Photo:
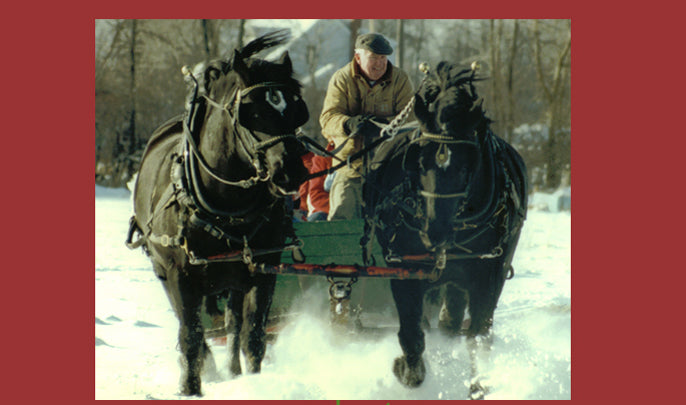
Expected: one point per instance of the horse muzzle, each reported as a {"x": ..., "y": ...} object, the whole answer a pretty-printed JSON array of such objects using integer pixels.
[{"x": 287, "y": 178}]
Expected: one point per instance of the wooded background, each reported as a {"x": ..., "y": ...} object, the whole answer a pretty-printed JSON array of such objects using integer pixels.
[{"x": 138, "y": 81}]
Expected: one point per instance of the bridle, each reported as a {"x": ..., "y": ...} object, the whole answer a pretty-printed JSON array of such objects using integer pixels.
[
  {"x": 404, "y": 206},
  {"x": 441, "y": 157},
  {"x": 254, "y": 149}
]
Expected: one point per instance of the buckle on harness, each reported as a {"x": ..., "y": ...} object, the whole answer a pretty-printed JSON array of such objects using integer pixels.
[
  {"x": 134, "y": 228},
  {"x": 248, "y": 255}
]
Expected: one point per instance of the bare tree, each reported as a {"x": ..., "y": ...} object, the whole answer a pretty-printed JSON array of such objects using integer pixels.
[
  {"x": 241, "y": 33},
  {"x": 132, "y": 89},
  {"x": 509, "y": 83},
  {"x": 495, "y": 40},
  {"x": 553, "y": 78},
  {"x": 138, "y": 84},
  {"x": 355, "y": 26},
  {"x": 210, "y": 38},
  {"x": 400, "y": 38},
  {"x": 372, "y": 25},
  {"x": 502, "y": 75}
]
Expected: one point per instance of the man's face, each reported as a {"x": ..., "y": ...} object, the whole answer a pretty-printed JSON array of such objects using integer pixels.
[{"x": 372, "y": 65}]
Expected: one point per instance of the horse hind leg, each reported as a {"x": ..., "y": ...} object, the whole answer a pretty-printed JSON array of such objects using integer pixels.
[
  {"x": 432, "y": 301},
  {"x": 408, "y": 296},
  {"x": 209, "y": 370},
  {"x": 451, "y": 315}
]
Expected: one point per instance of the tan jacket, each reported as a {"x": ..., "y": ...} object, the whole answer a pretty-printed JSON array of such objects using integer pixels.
[{"x": 349, "y": 94}]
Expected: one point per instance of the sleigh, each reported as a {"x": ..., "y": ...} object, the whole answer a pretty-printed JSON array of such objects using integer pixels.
[{"x": 329, "y": 256}]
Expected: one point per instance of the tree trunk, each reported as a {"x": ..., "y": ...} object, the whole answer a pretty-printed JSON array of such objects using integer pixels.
[
  {"x": 554, "y": 96},
  {"x": 211, "y": 39},
  {"x": 400, "y": 38},
  {"x": 241, "y": 34},
  {"x": 510, "y": 115},
  {"x": 354, "y": 29},
  {"x": 495, "y": 39},
  {"x": 132, "y": 90}
]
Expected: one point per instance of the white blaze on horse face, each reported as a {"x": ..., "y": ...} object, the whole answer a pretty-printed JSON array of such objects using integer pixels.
[
  {"x": 443, "y": 158},
  {"x": 276, "y": 100}
]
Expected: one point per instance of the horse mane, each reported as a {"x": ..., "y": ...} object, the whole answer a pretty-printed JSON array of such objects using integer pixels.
[
  {"x": 202, "y": 71},
  {"x": 460, "y": 98},
  {"x": 266, "y": 41},
  {"x": 262, "y": 68}
]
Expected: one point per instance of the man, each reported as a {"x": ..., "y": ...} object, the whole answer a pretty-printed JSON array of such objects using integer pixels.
[{"x": 369, "y": 87}]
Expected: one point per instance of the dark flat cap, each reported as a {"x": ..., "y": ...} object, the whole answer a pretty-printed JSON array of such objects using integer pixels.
[{"x": 375, "y": 43}]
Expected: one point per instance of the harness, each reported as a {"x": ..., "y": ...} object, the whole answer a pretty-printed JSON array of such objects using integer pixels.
[
  {"x": 407, "y": 201},
  {"x": 194, "y": 209}
]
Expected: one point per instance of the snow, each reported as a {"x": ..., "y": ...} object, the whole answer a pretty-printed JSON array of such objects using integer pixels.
[
  {"x": 557, "y": 201},
  {"x": 136, "y": 331}
]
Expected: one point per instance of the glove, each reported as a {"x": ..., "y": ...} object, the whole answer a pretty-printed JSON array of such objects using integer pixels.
[{"x": 357, "y": 124}]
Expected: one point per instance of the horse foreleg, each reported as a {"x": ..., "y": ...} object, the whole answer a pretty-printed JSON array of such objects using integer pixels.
[
  {"x": 479, "y": 347},
  {"x": 409, "y": 296},
  {"x": 234, "y": 321},
  {"x": 256, "y": 307},
  {"x": 482, "y": 304},
  {"x": 191, "y": 342}
]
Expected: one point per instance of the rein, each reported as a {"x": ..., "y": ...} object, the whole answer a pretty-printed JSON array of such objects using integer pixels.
[{"x": 388, "y": 132}]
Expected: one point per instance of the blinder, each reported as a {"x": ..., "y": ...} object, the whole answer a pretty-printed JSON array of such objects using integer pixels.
[{"x": 269, "y": 108}]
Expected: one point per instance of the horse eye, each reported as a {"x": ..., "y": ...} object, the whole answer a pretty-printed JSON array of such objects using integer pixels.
[
  {"x": 275, "y": 97},
  {"x": 276, "y": 100}
]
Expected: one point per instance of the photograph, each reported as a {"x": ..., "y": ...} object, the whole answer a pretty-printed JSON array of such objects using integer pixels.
[{"x": 333, "y": 209}]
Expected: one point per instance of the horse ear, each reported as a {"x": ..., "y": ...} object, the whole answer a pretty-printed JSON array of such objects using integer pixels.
[
  {"x": 420, "y": 109},
  {"x": 443, "y": 70},
  {"x": 285, "y": 60},
  {"x": 212, "y": 73},
  {"x": 238, "y": 65}
]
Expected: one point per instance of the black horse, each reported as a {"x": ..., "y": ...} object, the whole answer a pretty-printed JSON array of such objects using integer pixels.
[
  {"x": 449, "y": 198},
  {"x": 214, "y": 182}
]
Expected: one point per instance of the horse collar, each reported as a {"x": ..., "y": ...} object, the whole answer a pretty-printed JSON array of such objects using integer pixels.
[{"x": 446, "y": 139}]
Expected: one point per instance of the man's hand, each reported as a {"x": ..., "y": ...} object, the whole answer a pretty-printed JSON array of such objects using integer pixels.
[{"x": 358, "y": 124}]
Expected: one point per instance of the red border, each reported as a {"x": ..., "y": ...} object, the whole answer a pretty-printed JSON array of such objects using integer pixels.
[{"x": 50, "y": 74}]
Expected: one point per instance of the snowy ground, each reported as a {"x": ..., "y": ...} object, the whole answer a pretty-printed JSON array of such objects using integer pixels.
[{"x": 135, "y": 329}]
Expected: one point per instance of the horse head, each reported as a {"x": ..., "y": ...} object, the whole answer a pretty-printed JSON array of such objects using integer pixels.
[
  {"x": 453, "y": 126},
  {"x": 257, "y": 106}
]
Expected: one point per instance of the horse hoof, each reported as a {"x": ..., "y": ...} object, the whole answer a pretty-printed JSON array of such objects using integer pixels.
[
  {"x": 191, "y": 385},
  {"x": 411, "y": 376},
  {"x": 477, "y": 391},
  {"x": 190, "y": 391},
  {"x": 235, "y": 370}
]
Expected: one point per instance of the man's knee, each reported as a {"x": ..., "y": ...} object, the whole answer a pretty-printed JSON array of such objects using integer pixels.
[{"x": 345, "y": 198}]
